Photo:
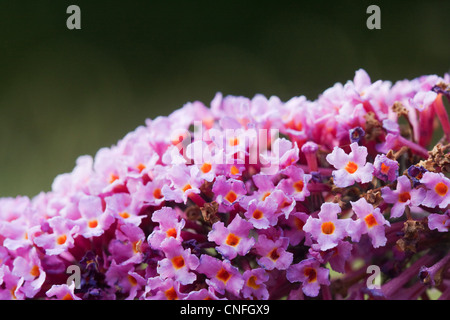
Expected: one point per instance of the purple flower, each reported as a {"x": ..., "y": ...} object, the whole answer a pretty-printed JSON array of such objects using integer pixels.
[
  {"x": 169, "y": 226},
  {"x": 402, "y": 196},
  {"x": 126, "y": 279},
  {"x": 62, "y": 292},
  {"x": 310, "y": 274},
  {"x": 254, "y": 287},
  {"x": 350, "y": 167},
  {"x": 228, "y": 191},
  {"x": 178, "y": 263},
  {"x": 222, "y": 276},
  {"x": 296, "y": 185},
  {"x": 437, "y": 190},
  {"x": 233, "y": 239},
  {"x": 262, "y": 214},
  {"x": 163, "y": 289},
  {"x": 273, "y": 254},
  {"x": 94, "y": 221},
  {"x": 370, "y": 221},
  {"x": 439, "y": 222},
  {"x": 122, "y": 207},
  {"x": 328, "y": 229},
  {"x": 385, "y": 169},
  {"x": 60, "y": 239}
]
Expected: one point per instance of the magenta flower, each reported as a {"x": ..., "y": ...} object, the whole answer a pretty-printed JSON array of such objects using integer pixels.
[
  {"x": 439, "y": 222},
  {"x": 385, "y": 169},
  {"x": 296, "y": 185},
  {"x": 438, "y": 187},
  {"x": 328, "y": 229},
  {"x": 222, "y": 276},
  {"x": 370, "y": 221},
  {"x": 60, "y": 239},
  {"x": 169, "y": 226},
  {"x": 163, "y": 289},
  {"x": 262, "y": 214},
  {"x": 310, "y": 274},
  {"x": 94, "y": 221},
  {"x": 350, "y": 167},
  {"x": 403, "y": 196},
  {"x": 273, "y": 254},
  {"x": 178, "y": 262},
  {"x": 228, "y": 192},
  {"x": 63, "y": 292},
  {"x": 233, "y": 239},
  {"x": 254, "y": 284}
]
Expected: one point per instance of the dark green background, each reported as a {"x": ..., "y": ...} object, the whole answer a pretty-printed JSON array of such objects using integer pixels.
[{"x": 66, "y": 93}]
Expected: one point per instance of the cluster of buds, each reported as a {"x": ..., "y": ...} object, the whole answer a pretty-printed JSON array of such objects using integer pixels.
[{"x": 250, "y": 199}]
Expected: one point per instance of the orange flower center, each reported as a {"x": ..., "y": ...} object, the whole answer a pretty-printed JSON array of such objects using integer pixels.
[
  {"x": 171, "y": 233},
  {"x": 157, "y": 193},
  {"x": 140, "y": 167},
  {"x": 403, "y": 197},
  {"x": 113, "y": 177},
  {"x": 92, "y": 224},
  {"x": 233, "y": 141},
  {"x": 232, "y": 240},
  {"x": 61, "y": 239},
  {"x": 265, "y": 196},
  {"x": 231, "y": 196},
  {"x": 257, "y": 214},
  {"x": 186, "y": 187},
  {"x": 311, "y": 274},
  {"x": 351, "y": 167},
  {"x": 206, "y": 167},
  {"x": 234, "y": 170},
  {"x": 251, "y": 282},
  {"x": 223, "y": 275},
  {"x": 384, "y": 168},
  {"x": 68, "y": 296},
  {"x": 328, "y": 227},
  {"x": 171, "y": 294},
  {"x": 370, "y": 220},
  {"x": 299, "y": 186},
  {"x": 441, "y": 189},
  {"x": 124, "y": 215},
  {"x": 274, "y": 254},
  {"x": 178, "y": 262},
  {"x": 35, "y": 271},
  {"x": 132, "y": 280},
  {"x": 298, "y": 223}
]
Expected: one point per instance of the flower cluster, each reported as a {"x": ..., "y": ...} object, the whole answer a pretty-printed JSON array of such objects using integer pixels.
[{"x": 250, "y": 199}]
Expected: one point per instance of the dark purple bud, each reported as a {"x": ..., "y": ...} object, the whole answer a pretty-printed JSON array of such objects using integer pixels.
[{"x": 356, "y": 134}]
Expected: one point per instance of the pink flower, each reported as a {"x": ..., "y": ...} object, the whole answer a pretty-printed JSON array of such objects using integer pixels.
[
  {"x": 228, "y": 191},
  {"x": 222, "y": 276},
  {"x": 262, "y": 214},
  {"x": 296, "y": 185},
  {"x": 169, "y": 226},
  {"x": 63, "y": 292},
  {"x": 385, "y": 169},
  {"x": 233, "y": 239},
  {"x": 438, "y": 193},
  {"x": 370, "y": 221},
  {"x": 273, "y": 254},
  {"x": 403, "y": 196},
  {"x": 310, "y": 274},
  {"x": 254, "y": 284},
  {"x": 178, "y": 263},
  {"x": 328, "y": 229},
  {"x": 439, "y": 222},
  {"x": 350, "y": 167},
  {"x": 94, "y": 221}
]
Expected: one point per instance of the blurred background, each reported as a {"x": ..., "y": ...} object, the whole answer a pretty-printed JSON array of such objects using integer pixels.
[{"x": 65, "y": 93}]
